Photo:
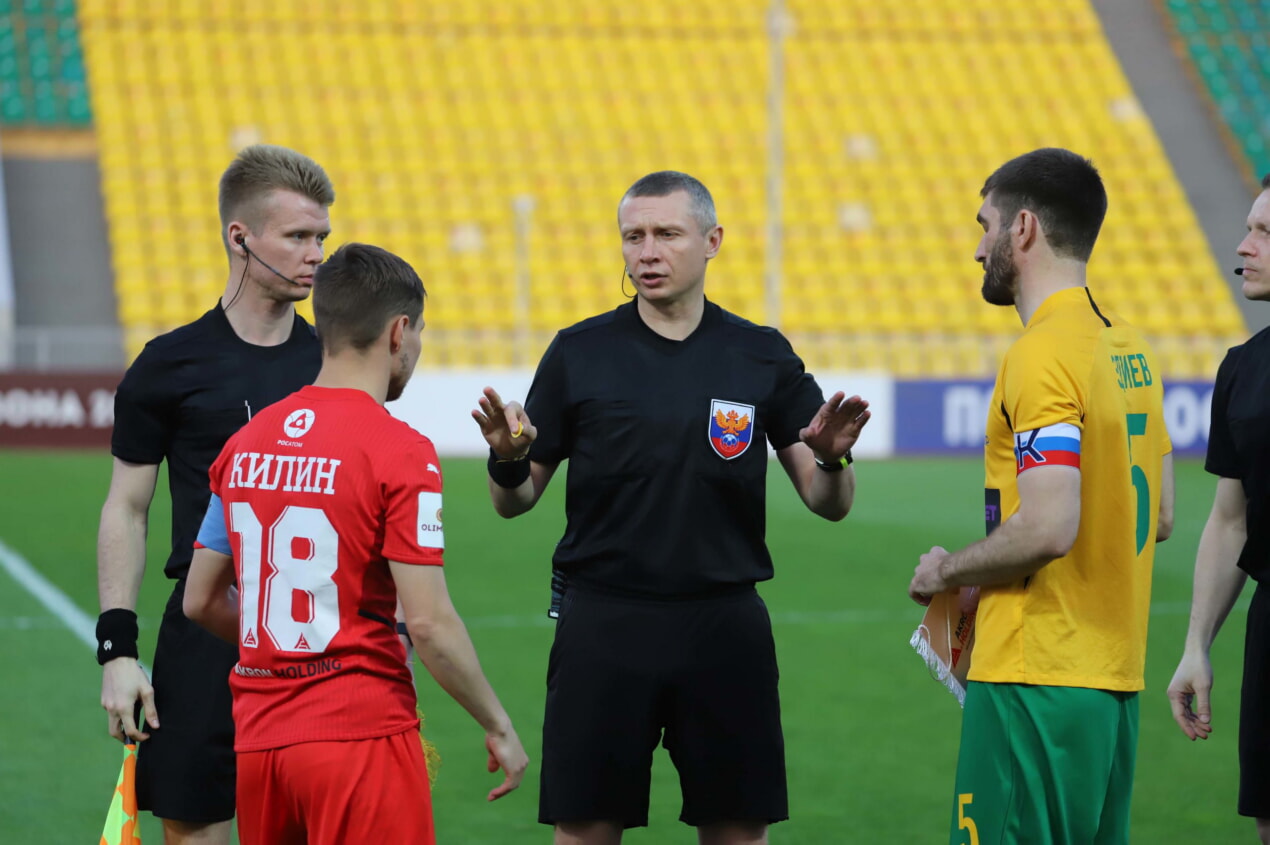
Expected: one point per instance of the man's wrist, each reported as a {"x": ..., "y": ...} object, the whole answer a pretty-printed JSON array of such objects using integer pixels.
[
  {"x": 1199, "y": 643},
  {"x": 509, "y": 473},
  {"x": 836, "y": 464},
  {"x": 500, "y": 727},
  {"x": 116, "y": 635}
]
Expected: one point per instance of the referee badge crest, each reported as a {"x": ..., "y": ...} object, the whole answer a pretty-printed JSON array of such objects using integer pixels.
[{"x": 731, "y": 428}]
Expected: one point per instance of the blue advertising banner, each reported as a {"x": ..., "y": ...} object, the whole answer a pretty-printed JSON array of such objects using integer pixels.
[{"x": 948, "y": 416}]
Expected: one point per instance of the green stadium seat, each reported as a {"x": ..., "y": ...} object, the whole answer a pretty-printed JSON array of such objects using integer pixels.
[
  {"x": 1237, "y": 72},
  {"x": 77, "y": 111},
  {"x": 46, "y": 102},
  {"x": 40, "y": 52},
  {"x": 13, "y": 107}
]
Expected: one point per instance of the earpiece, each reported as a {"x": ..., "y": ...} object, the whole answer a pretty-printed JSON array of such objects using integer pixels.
[{"x": 241, "y": 240}]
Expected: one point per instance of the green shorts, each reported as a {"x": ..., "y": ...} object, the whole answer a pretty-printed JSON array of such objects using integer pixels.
[{"x": 1045, "y": 766}]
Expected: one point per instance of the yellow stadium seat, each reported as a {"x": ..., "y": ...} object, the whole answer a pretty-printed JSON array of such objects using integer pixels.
[{"x": 432, "y": 117}]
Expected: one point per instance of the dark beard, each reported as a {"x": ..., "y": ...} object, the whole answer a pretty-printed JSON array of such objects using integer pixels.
[
  {"x": 397, "y": 381},
  {"x": 1000, "y": 275}
]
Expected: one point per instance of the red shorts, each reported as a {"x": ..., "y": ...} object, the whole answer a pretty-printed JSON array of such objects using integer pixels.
[{"x": 327, "y": 793}]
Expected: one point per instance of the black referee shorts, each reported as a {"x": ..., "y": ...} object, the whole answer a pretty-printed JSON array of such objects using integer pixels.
[
  {"x": 186, "y": 769},
  {"x": 1254, "y": 711},
  {"x": 700, "y": 676}
]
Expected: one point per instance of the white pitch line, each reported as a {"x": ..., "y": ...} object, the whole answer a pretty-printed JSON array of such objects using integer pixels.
[{"x": 57, "y": 602}]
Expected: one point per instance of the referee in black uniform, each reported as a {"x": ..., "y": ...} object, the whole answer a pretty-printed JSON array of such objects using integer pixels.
[
  {"x": 182, "y": 398},
  {"x": 1236, "y": 539},
  {"x": 664, "y": 409}
]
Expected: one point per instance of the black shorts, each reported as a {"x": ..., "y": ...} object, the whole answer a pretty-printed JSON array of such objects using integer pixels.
[
  {"x": 1254, "y": 705},
  {"x": 186, "y": 769},
  {"x": 699, "y": 675}
]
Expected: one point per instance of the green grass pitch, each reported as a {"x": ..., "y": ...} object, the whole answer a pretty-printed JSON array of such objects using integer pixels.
[{"x": 872, "y": 740}]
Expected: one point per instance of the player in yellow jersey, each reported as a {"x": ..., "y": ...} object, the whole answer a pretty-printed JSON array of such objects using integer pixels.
[{"x": 1079, "y": 490}]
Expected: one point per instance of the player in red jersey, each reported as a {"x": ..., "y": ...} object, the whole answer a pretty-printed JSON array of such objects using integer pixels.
[{"x": 331, "y": 509}]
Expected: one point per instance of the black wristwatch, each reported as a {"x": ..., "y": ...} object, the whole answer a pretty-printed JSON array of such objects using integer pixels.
[{"x": 836, "y": 466}]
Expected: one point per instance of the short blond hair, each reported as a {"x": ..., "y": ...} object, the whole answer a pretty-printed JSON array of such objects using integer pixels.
[{"x": 261, "y": 169}]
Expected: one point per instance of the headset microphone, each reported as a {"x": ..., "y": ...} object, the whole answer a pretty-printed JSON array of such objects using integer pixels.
[
  {"x": 1239, "y": 271},
  {"x": 242, "y": 242}
]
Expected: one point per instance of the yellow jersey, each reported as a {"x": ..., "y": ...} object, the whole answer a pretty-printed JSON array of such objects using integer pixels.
[{"x": 1079, "y": 388}]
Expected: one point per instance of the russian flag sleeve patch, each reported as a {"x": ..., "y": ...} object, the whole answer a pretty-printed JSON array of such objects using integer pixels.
[{"x": 1052, "y": 445}]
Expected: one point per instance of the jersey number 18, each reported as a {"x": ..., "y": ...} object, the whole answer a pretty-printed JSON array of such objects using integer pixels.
[{"x": 295, "y": 565}]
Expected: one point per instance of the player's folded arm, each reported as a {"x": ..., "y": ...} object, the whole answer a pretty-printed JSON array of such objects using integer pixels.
[
  {"x": 207, "y": 598},
  {"x": 1043, "y": 529},
  {"x": 1049, "y": 510}
]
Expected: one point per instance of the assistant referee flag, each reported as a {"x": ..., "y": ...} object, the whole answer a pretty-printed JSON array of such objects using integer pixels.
[{"x": 121, "y": 822}]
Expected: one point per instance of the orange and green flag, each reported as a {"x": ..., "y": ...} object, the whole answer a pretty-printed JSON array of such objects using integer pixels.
[{"x": 121, "y": 822}]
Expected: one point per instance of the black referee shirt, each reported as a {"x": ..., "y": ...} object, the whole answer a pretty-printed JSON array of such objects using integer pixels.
[
  {"x": 667, "y": 448},
  {"x": 187, "y": 392},
  {"x": 1239, "y": 441}
]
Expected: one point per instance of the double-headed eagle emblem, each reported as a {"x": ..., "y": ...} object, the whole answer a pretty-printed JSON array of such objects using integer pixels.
[{"x": 731, "y": 422}]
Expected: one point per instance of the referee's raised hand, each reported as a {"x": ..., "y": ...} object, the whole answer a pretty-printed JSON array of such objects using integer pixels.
[
  {"x": 506, "y": 426},
  {"x": 836, "y": 426}
]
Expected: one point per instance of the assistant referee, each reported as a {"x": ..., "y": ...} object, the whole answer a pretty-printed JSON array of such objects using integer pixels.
[
  {"x": 1236, "y": 539},
  {"x": 183, "y": 397}
]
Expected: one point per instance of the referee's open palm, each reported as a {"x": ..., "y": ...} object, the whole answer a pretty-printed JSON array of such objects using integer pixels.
[
  {"x": 836, "y": 426},
  {"x": 506, "y": 427}
]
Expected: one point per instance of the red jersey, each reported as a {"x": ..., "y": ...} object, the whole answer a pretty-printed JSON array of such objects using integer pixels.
[{"x": 320, "y": 491}]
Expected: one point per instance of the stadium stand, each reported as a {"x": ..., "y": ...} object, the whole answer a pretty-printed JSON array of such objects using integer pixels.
[
  {"x": 434, "y": 118},
  {"x": 42, "y": 80},
  {"x": 1228, "y": 42}
]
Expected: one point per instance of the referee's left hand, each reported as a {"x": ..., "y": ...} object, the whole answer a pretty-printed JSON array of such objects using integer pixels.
[
  {"x": 506, "y": 426},
  {"x": 836, "y": 426}
]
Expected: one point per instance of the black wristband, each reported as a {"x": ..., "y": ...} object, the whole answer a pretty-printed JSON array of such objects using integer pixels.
[
  {"x": 509, "y": 473},
  {"x": 116, "y": 635}
]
